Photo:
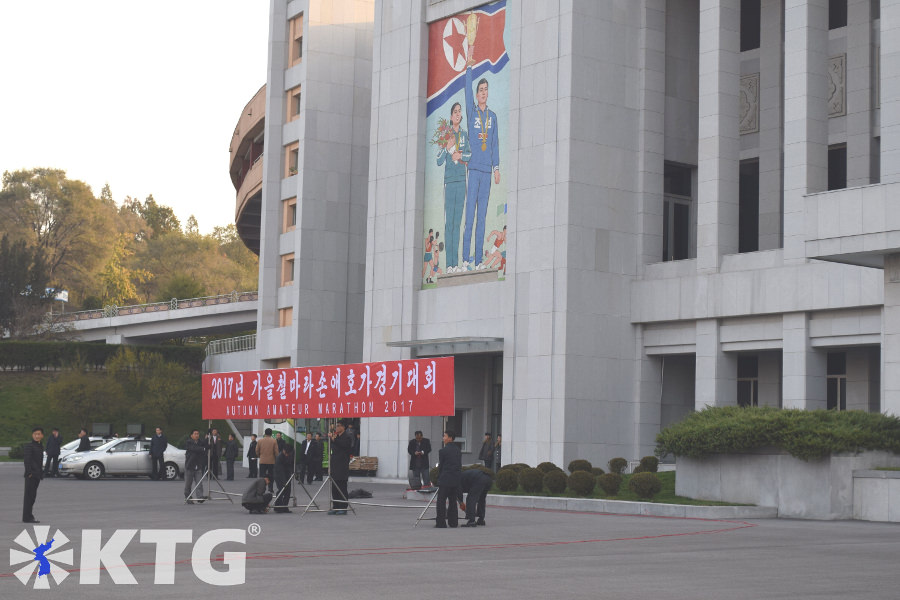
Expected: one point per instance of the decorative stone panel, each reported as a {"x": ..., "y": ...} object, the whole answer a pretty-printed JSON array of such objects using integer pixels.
[{"x": 749, "y": 98}]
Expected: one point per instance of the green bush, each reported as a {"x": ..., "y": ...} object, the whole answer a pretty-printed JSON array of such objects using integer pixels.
[
  {"x": 30, "y": 356},
  {"x": 805, "y": 434},
  {"x": 555, "y": 481},
  {"x": 610, "y": 483},
  {"x": 507, "y": 480},
  {"x": 531, "y": 480},
  {"x": 579, "y": 464},
  {"x": 645, "y": 485},
  {"x": 17, "y": 451},
  {"x": 433, "y": 475},
  {"x": 597, "y": 471},
  {"x": 582, "y": 483},
  {"x": 517, "y": 466},
  {"x": 617, "y": 465},
  {"x": 546, "y": 467},
  {"x": 650, "y": 464},
  {"x": 640, "y": 469}
]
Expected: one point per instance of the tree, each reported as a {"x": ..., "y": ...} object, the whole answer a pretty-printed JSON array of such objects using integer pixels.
[
  {"x": 23, "y": 281},
  {"x": 157, "y": 389},
  {"x": 118, "y": 280},
  {"x": 181, "y": 286},
  {"x": 159, "y": 218},
  {"x": 85, "y": 397}
]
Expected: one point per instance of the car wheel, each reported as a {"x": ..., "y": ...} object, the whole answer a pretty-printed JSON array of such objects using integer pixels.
[
  {"x": 171, "y": 471},
  {"x": 94, "y": 470}
]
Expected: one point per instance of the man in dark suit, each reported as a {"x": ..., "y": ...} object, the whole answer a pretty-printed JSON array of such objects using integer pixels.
[
  {"x": 305, "y": 458},
  {"x": 84, "y": 443},
  {"x": 476, "y": 484},
  {"x": 284, "y": 468},
  {"x": 231, "y": 453},
  {"x": 34, "y": 455},
  {"x": 158, "y": 445},
  {"x": 251, "y": 456},
  {"x": 449, "y": 479},
  {"x": 279, "y": 439},
  {"x": 341, "y": 444},
  {"x": 418, "y": 449},
  {"x": 51, "y": 469}
]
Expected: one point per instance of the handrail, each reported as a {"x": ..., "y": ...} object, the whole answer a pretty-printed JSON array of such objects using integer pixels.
[
  {"x": 173, "y": 304},
  {"x": 240, "y": 343}
]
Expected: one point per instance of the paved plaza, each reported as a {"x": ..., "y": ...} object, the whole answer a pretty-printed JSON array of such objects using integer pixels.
[{"x": 519, "y": 554}]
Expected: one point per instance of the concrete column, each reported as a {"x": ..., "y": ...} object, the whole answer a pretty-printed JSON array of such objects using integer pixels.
[
  {"x": 890, "y": 91},
  {"x": 859, "y": 92},
  {"x": 803, "y": 367},
  {"x": 716, "y": 377},
  {"x": 805, "y": 115},
  {"x": 771, "y": 80},
  {"x": 648, "y": 408},
  {"x": 890, "y": 336},
  {"x": 651, "y": 135},
  {"x": 718, "y": 148}
]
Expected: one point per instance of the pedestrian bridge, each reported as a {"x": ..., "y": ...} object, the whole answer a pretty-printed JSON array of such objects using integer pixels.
[{"x": 154, "y": 322}]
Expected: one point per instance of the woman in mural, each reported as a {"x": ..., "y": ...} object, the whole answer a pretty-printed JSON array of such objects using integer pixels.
[{"x": 454, "y": 155}]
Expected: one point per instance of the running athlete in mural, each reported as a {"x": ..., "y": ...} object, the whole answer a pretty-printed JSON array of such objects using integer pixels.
[
  {"x": 483, "y": 165},
  {"x": 454, "y": 155},
  {"x": 496, "y": 257}
]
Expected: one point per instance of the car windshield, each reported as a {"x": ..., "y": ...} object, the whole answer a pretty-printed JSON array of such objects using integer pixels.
[
  {"x": 107, "y": 445},
  {"x": 71, "y": 445}
]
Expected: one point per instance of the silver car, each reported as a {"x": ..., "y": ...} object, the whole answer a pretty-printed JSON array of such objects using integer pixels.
[
  {"x": 70, "y": 447},
  {"x": 121, "y": 457}
]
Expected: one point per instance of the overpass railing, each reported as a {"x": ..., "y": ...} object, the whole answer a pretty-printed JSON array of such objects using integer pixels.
[
  {"x": 235, "y": 344},
  {"x": 173, "y": 304}
]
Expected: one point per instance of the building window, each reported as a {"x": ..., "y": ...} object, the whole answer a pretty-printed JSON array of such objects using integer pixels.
[
  {"x": 291, "y": 159},
  {"x": 748, "y": 206},
  {"x": 287, "y": 269},
  {"x": 283, "y": 363},
  {"x": 285, "y": 318},
  {"x": 295, "y": 43},
  {"x": 289, "y": 215},
  {"x": 678, "y": 212},
  {"x": 876, "y": 9},
  {"x": 836, "y": 396},
  {"x": 293, "y": 103},
  {"x": 750, "y": 22},
  {"x": 837, "y": 167},
  {"x": 460, "y": 423},
  {"x": 837, "y": 14},
  {"x": 748, "y": 381}
]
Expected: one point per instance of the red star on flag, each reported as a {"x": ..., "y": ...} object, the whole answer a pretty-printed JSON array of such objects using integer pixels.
[{"x": 455, "y": 40}]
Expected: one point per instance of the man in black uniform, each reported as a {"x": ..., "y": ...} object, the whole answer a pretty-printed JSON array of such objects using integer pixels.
[
  {"x": 304, "y": 459},
  {"x": 214, "y": 440},
  {"x": 341, "y": 443},
  {"x": 51, "y": 469},
  {"x": 158, "y": 445},
  {"x": 84, "y": 444},
  {"x": 231, "y": 454},
  {"x": 195, "y": 457},
  {"x": 284, "y": 468},
  {"x": 318, "y": 452},
  {"x": 476, "y": 484},
  {"x": 449, "y": 473},
  {"x": 251, "y": 457},
  {"x": 34, "y": 455}
]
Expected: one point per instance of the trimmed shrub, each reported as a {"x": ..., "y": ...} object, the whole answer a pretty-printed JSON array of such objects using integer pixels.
[
  {"x": 804, "y": 434},
  {"x": 433, "y": 475},
  {"x": 580, "y": 464},
  {"x": 517, "y": 466},
  {"x": 610, "y": 483},
  {"x": 531, "y": 480},
  {"x": 17, "y": 451},
  {"x": 640, "y": 469},
  {"x": 650, "y": 464},
  {"x": 555, "y": 481},
  {"x": 507, "y": 480},
  {"x": 597, "y": 471},
  {"x": 645, "y": 485},
  {"x": 618, "y": 465},
  {"x": 582, "y": 483},
  {"x": 546, "y": 467}
]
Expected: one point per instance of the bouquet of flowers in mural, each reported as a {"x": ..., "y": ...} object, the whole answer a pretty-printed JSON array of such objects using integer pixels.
[{"x": 443, "y": 134}]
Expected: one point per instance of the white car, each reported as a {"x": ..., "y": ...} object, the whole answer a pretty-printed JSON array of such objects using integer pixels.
[
  {"x": 124, "y": 456},
  {"x": 69, "y": 448}
]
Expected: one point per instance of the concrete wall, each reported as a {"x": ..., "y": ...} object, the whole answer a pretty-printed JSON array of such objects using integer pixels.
[
  {"x": 819, "y": 489},
  {"x": 876, "y": 495}
]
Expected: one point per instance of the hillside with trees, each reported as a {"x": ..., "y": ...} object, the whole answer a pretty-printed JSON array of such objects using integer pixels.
[{"x": 57, "y": 235}]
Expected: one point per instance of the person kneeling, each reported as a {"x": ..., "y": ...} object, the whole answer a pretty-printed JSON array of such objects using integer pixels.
[{"x": 256, "y": 499}]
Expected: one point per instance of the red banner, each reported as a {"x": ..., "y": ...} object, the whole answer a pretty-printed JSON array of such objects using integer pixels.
[{"x": 402, "y": 388}]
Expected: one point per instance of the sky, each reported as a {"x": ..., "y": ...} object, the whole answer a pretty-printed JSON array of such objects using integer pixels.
[{"x": 141, "y": 95}]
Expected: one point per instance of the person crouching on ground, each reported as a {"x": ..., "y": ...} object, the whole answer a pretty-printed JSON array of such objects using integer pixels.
[
  {"x": 449, "y": 477},
  {"x": 256, "y": 499},
  {"x": 476, "y": 484}
]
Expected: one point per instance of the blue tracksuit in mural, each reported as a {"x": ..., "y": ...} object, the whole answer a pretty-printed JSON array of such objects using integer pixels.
[
  {"x": 454, "y": 194},
  {"x": 484, "y": 135}
]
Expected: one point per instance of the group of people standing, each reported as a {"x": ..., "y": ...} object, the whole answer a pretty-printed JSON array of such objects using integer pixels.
[{"x": 490, "y": 451}]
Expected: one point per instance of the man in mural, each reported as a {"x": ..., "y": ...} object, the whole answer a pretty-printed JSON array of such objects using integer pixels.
[
  {"x": 454, "y": 156},
  {"x": 484, "y": 164}
]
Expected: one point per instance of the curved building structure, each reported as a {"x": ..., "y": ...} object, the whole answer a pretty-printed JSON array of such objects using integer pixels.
[{"x": 246, "y": 168}]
